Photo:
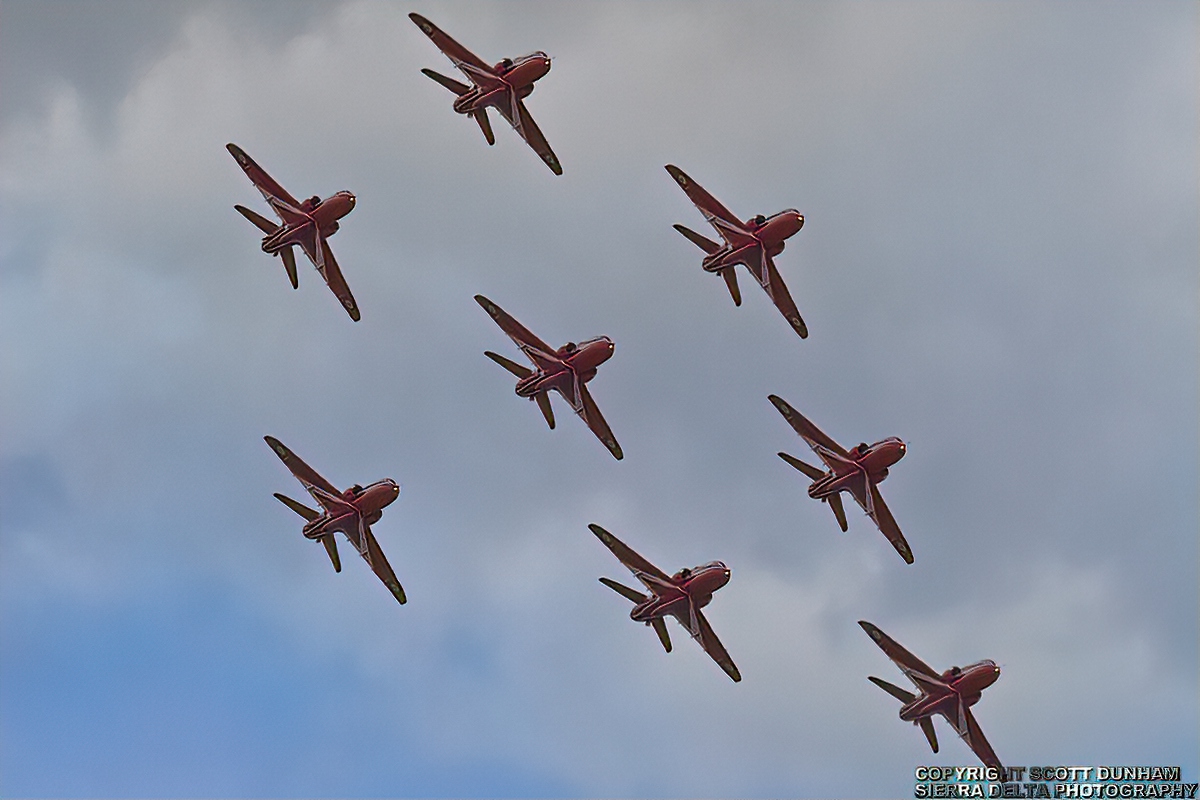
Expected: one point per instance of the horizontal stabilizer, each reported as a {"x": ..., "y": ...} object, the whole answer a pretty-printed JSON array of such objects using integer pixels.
[
  {"x": 704, "y": 243},
  {"x": 543, "y": 401},
  {"x": 512, "y": 366},
  {"x": 835, "y": 502},
  {"x": 485, "y": 125},
  {"x": 927, "y": 726},
  {"x": 731, "y": 281},
  {"x": 262, "y": 223},
  {"x": 331, "y": 548},
  {"x": 660, "y": 627},
  {"x": 289, "y": 263},
  {"x": 301, "y": 509},
  {"x": 623, "y": 590},
  {"x": 894, "y": 691},
  {"x": 458, "y": 88},
  {"x": 816, "y": 473}
]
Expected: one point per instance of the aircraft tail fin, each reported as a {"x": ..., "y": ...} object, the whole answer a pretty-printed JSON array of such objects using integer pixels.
[
  {"x": 623, "y": 590},
  {"x": 659, "y": 624},
  {"x": 301, "y": 509},
  {"x": 835, "y": 502},
  {"x": 704, "y": 243},
  {"x": 485, "y": 125},
  {"x": 516, "y": 369},
  {"x": 895, "y": 691},
  {"x": 259, "y": 221},
  {"x": 458, "y": 88},
  {"x": 815, "y": 473}
]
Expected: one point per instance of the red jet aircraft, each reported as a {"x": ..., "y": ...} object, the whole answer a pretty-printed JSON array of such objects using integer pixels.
[
  {"x": 681, "y": 595},
  {"x": 857, "y": 471},
  {"x": 753, "y": 243},
  {"x": 351, "y": 512},
  {"x": 565, "y": 370},
  {"x": 308, "y": 224},
  {"x": 951, "y": 694},
  {"x": 502, "y": 86}
]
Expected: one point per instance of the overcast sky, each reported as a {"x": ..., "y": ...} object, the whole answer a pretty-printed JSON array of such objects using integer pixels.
[{"x": 998, "y": 264}]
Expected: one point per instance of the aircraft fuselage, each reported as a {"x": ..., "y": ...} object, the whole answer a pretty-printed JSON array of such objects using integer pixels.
[
  {"x": 767, "y": 235},
  {"x": 685, "y": 587},
  {"x": 366, "y": 504},
  {"x": 870, "y": 460},
  {"x": 515, "y": 78},
  {"x": 321, "y": 214},
  {"x": 574, "y": 360},
  {"x": 965, "y": 684}
]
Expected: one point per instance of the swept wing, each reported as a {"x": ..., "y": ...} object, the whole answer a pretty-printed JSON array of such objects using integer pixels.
[
  {"x": 373, "y": 555},
  {"x": 518, "y": 116},
  {"x": 651, "y": 576},
  {"x": 303, "y": 472},
  {"x": 721, "y": 218},
  {"x": 821, "y": 444},
  {"x": 920, "y": 673},
  {"x": 467, "y": 62},
  {"x": 703, "y": 633},
  {"x": 283, "y": 204},
  {"x": 541, "y": 354},
  {"x": 778, "y": 292},
  {"x": 590, "y": 413},
  {"x": 972, "y": 734}
]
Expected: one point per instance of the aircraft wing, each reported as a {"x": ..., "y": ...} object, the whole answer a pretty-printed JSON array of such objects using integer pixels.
[
  {"x": 590, "y": 413},
  {"x": 379, "y": 564},
  {"x": 818, "y": 441},
  {"x": 778, "y": 292},
  {"x": 286, "y": 206},
  {"x": 720, "y": 217},
  {"x": 917, "y": 670},
  {"x": 639, "y": 566},
  {"x": 541, "y": 354},
  {"x": 518, "y": 116},
  {"x": 965, "y": 725},
  {"x": 703, "y": 633},
  {"x": 332, "y": 274},
  {"x": 303, "y": 472},
  {"x": 467, "y": 62},
  {"x": 882, "y": 516}
]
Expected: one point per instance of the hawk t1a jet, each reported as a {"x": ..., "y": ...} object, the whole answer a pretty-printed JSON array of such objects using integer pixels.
[
  {"x": 351, "y": 513},
  {"x": 565, "y": 370},
  {"x": 681, "y": 595},
  {"x": 502, "y": 86},
  {"x": 753, "y": 243},
  {"x": 856, "y": 471},
  {"x": 950, "y": 693},
  {"x": 308, "y": 224}
]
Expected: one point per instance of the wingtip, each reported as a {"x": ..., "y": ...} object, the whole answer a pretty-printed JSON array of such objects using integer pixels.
[
  {"x": 680, "y": 177},
  {"x": 780, "y": 404},
  {"x": 870, "y": 629},
  {"x": 601, "y": 534}
]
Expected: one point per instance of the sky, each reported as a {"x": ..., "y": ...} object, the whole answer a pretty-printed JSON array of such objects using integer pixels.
[{"x": 998, "y": 265}]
